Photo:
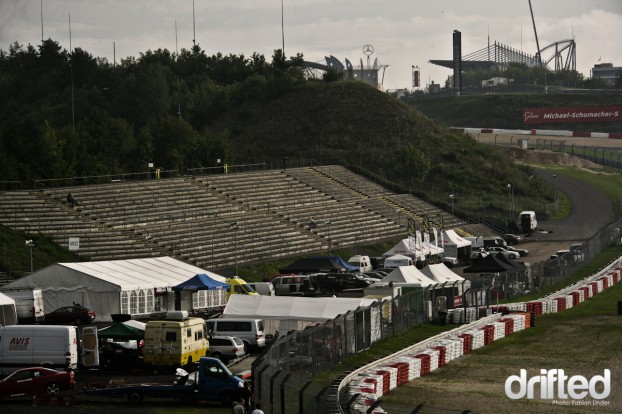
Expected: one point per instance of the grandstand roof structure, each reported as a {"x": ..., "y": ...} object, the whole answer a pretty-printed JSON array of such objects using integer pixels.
[{"x": 492, "y": 56}]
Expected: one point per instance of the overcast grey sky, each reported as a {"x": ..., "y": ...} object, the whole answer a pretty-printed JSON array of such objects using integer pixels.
[{"x": 403, "y": 32}]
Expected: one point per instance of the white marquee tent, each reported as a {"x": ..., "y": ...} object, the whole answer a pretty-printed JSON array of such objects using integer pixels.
[
  {"x": 455, "y": 245},
  {"x": 408, "y": 247},
  {"x": 397, "y": 260},
  {"x": 135, "y": 286},
  {"x": 294, "y": 308},
  {"x": 442, "y": 274},
  {"x": 408, "y": 276},
  {"x": 8, "y": 314},
  {"x": 405, "y": 247}
]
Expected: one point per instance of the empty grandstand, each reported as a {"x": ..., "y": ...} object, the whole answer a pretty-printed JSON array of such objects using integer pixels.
[{"x": 221, "y": 220}]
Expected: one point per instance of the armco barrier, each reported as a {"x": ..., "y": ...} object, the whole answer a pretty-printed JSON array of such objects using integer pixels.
[{"x": 424, "y": 357}]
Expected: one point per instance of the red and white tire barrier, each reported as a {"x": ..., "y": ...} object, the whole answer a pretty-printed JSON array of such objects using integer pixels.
[{"x": 377, "y": 379}]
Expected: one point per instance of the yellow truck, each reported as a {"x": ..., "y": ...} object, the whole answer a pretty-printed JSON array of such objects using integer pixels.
[
  {"x": 176, "y": 341},
  {"x": 239, "y": 287}
]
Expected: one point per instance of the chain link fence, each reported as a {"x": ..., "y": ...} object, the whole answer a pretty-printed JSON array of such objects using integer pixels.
[
  {"x": 287, "y": 377},
  {"x": 284, "y": 375}
]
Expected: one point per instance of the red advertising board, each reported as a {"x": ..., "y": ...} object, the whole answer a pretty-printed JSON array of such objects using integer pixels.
[
  {"x": 457, "y": 301},
  {"x": 574, "y": 114}
]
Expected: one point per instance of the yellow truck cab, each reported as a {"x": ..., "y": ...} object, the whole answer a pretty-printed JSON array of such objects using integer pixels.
[
  {"x": 239, "y": 287},
  {"x": 176, "y": 341}
]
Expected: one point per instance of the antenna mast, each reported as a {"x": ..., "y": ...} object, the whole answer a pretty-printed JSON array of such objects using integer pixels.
[
  {"x": 41, "y": 21},
  {"x": 73, "y": 110},
  {"x": 177, "y": 58},
  {"x": 539, "y": 58}
]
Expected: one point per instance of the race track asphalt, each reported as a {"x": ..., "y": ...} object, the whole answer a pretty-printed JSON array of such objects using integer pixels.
[{"x": 591, "y": 210}]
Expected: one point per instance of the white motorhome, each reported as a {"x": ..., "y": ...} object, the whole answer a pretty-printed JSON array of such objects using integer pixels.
[
  {"x": 48, "y": 346},
  {"x": 527, "y": 221},
  {"x": 28, "y": 304},
  {"x": 363, "y": 262}
]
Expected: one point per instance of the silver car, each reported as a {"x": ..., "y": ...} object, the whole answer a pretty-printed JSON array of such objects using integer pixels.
[{"x": 226, "y": 348}]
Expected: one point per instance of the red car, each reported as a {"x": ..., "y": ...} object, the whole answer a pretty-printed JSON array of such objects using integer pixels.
[
  {"x": 36, "y": 380},
  {"x": 69, "y": 315}
]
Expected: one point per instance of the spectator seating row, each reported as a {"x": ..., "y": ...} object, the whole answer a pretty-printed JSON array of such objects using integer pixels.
[{"x": 219, "y": 220}]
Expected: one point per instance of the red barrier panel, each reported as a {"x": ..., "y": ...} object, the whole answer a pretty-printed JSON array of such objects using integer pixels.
[
  {"x": 402, "y": 372},
  {"x": 581, "y": 134},
  {"x": 535, "y": 307},
  {"x": 425, "y": 363},
  {"x": 466, "y": 344},
  {"x": 386, "y": 380},
  {"x": 442, "y": 353},
  {"x": 576, "y": 298},
  {"x": 489, "y": 334}
]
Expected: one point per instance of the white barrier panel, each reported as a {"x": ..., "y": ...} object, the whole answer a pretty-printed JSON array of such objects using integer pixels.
[{"x": 552, "y": 132}]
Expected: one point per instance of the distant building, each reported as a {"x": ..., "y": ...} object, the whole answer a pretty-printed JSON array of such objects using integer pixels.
[
  {"x": 397, "y": 93},
  {"x": 367, "y": 73},
  {"x": 607, "y": 72},
  {"x": 487, "y": 83},
  {"x": 434, "y": 87}
]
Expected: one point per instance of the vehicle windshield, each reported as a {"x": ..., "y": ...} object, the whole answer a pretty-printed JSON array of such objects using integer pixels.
[{"x": 247, "y": 288}]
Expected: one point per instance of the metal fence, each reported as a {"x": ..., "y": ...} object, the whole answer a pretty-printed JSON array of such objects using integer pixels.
[
  {"x": 286, "y": 375},
  {"x": 283, "y": 376}
]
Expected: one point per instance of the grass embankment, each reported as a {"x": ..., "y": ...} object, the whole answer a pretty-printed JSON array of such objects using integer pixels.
[{"x": 583, "y": 340}]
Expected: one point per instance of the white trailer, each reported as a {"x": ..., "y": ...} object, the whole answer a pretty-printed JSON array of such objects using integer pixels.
[{"x": 28, "y": 304}]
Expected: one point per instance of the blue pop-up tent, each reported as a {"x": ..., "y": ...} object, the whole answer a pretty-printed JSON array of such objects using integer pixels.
[{"x": 200, "y": 282}]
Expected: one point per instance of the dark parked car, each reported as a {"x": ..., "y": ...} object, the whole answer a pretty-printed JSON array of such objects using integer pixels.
[
  {"x": 512, "y": 239},
  {"x": 36, "y": 380},
  {"x": 69, "y": 315}
]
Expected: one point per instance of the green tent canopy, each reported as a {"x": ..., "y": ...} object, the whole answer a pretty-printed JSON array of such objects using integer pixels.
[{"x": 121, "y": 331}]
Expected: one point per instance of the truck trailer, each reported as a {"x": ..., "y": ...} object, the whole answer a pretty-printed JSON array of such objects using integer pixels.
[{"x": 213, "y": 382}]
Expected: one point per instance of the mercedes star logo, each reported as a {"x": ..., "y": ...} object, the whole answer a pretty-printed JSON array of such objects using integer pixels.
[{"x": 368, "y": 49}]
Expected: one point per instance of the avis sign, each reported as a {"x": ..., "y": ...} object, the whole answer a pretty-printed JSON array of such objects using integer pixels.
[{"x": 74, "y": 244}]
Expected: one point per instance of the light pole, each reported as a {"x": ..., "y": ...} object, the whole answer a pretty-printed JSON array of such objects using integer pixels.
[
  {"x": 451, "y": 197},
  {"x": 30, "y": 245},
  {"x": 328, "y": 223},
  {"x": 511, "y": 195},
  {"x": 554, "y": 188},
  {"x": 234, "y": 226},
  {"x": 213, "y": 235}
]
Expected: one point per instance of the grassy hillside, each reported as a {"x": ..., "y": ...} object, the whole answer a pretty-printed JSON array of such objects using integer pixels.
[
  {"x": 353, "y": 124},
  {"x": 505, "y": 110}
]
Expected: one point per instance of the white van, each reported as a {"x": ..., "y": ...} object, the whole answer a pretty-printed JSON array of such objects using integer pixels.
[
  {"x": 263, "y": 288},
  {"x": 28, "y": 304},
  {"x": 363, "y": 262},
  {"x": 250, "y": 331},
  {"x": 44, "y": 345},
  {"x": 527, "y": 221}
]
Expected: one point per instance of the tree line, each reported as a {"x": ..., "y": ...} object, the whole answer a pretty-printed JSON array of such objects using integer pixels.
[{"x": 69, "y": 114}]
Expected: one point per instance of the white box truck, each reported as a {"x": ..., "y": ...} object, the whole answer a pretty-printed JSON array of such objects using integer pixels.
[
  {"x": 527, "y": 221},
  {"x": 48, "y": 346},
  {"x": 28, "y": 304}
]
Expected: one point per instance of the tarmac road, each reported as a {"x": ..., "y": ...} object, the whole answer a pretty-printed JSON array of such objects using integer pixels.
[{"x": 591, "y": 211}]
